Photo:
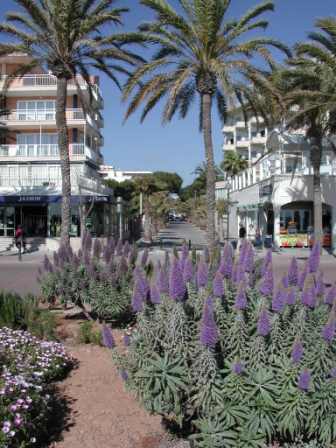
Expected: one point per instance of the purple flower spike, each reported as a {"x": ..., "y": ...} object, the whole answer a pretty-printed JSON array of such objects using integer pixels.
[
  {"x": 241, "y": 301},
  {"x": 267, "y": 282},
  {"x": 331, "y": 296},
  {"x": 297, "y": 352},
  {"x": 209, "y": 332},
  {"x": 249, "y": 259},
  {"x": 124, "y": 374},
  {"x": 291, "y": 297},
  {"x": 127, "y": 340},
  {"x": 177, "y": 288},
  {"x": 332, "y": 373},
  {"x": 162, "y": 282},
  {"x": 302, "y": 276},
  {"x": 304, "y": 380},
  {"x": 202, "y": 274},
  {"x": 154, "y": 294},
  {"x": 266, "y": 262},
  {"x": 314, "y": 259},
  {"x": 264, "y": 325},
  {"x": 285, "y": 281},
  {"x": 293, "y": 272},
  {"x": 238, "y": 368},
  {"x": 137, "y": 297},
  {"x": 308, "y": 297},
  {"x": 319, "y": 287},
  {"x": 328, "y": 331},
  {"x": 107, "y": 336},
  {"x": 279, "y": 300},
  {"x": 218, "y": 285},
  {"x": 226, "y": 263},
  {"x": 188, "y": 270}
]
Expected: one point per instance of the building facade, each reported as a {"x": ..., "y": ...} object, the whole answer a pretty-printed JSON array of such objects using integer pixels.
[
  {"x": 273, "y": 197},
  {"x": 30, "y": 172},
  {"x": 108, "y": 172}
]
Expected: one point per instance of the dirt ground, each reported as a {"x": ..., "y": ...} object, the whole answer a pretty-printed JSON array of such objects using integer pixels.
[{"x": 101, "y": 413}]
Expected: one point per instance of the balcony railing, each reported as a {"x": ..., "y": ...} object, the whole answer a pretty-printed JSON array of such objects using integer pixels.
[
  {"x": 77, "y": 151},
  {"x": 42, "y": 115},
  {"x": 45, "y": 80},
  {"x": 282, "y": 164}
]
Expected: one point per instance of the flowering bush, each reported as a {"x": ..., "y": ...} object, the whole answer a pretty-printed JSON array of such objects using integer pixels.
[
  {"x": 231, "y": 357},
  {"x": 27, "y": 366},
  {"x": 96, "y": 276}
]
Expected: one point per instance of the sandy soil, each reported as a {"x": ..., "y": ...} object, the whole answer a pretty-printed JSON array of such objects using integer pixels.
[{"x": 101, "y": 412}]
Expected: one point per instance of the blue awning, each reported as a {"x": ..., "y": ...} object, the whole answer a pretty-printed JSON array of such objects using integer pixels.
[{"x": 51, "y": 199}]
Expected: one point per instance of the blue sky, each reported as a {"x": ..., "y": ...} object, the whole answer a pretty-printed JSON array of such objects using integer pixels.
[{"x": 178, "y": 146}]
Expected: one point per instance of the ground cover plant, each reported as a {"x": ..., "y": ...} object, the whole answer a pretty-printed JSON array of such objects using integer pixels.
[
  {"x": 27, "y": 367},
  {"x": 97, "y": 278},
  {"x": 231, "y": 358}
]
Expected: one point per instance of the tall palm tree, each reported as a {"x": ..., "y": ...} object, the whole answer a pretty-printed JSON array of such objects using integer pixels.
[
  {"x": 200, "y": 51},
  {"x": 67, "y": 37},
  {"x": 233, "y": 163}
]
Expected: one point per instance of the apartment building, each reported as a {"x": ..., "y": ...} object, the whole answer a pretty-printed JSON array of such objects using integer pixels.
[
  {"x": 247, "y": 138},
  {"x": 30, "y": 174},
  {"x": 110, "y": 172},
  {"x": 273, "y": 197}
]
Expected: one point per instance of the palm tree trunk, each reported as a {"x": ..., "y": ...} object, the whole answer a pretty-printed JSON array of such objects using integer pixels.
[
  {"x": 316, "y": 156},
  {"x": 63, "y": 146},
  {"x": 211, "y": 175}
]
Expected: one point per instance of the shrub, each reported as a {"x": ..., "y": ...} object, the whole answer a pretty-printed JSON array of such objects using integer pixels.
[
  {"x": 96, "y": 277},
  {"x": 240, "y": 364},
  {"x": 24, "y": 313},
  {"x": 28, "y": 365},
  {"x": 88, "y": 334}
]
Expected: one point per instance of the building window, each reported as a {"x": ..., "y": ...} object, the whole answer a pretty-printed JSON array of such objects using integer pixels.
[
  {"x": 34, "y": 145},
  {"x": 36, "y": 110}
]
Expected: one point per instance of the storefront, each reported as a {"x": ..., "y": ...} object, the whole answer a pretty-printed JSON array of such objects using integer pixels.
[
  {"x": 297, "y": 224},
  {"x": 40, "y": 216}
]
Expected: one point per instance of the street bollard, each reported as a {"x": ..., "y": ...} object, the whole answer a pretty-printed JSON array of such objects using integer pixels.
[{"x": 189, "y": 244}]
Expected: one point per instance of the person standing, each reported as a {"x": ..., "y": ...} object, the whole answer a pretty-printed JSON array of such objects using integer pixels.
[{"x": 19, "y": 238}]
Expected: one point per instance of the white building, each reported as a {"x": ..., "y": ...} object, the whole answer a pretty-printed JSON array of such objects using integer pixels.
[
  {"x": 109, "y": 172},
  {"x": 274, "y": 196}
]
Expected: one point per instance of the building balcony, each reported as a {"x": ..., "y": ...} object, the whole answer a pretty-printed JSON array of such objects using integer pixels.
[
  {"x": 259, "y": 140},
  {"x": 45, "y": 84},
  {"x": 25, "y": 119},
  {"x": 229, "y": 147},
  {"x": 47, "y": 152},
  {"x": 243, "y": 143},
  {"x": 284, "y": 165}
]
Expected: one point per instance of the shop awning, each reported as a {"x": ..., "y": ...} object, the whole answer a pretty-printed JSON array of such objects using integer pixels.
[{"x": 51, "y": 199}]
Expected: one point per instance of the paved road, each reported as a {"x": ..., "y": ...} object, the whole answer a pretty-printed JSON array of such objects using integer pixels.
[
  {"x": 20, "y": 276},
  {"x": 175, "y": 233}
]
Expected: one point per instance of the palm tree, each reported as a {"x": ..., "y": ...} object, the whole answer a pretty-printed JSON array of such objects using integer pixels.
[
  {"x": 233, "y": 163},
  {"x": 200, "y": 51},
  {"x": 66, "y": 37},
  {"x": 146, "y": 186}
]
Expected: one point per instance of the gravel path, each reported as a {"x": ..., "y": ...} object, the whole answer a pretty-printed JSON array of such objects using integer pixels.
[{"x": 103, "y": 413}]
